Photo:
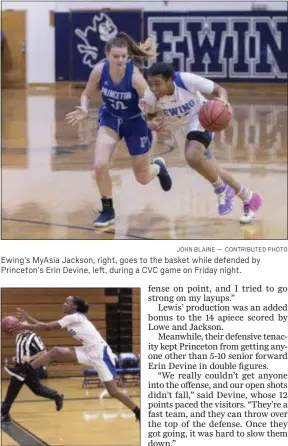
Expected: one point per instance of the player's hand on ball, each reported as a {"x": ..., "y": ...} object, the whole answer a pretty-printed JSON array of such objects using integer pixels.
[
  {"x": 224, "y": 102},
  {"x": 76, "y": 116}
]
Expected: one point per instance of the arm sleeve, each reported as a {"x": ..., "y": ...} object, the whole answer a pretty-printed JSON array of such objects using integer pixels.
[
  {"x": 194, "y": 83},
  {"x": 68, "y": 320}
]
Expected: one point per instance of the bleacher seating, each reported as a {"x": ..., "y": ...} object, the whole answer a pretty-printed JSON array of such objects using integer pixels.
[{"x": 127, "y": 369}]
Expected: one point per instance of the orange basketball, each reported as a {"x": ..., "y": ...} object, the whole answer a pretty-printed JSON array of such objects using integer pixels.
[
  {"x": 215, "y": 115},
  {"x": 9, "y": 323}
]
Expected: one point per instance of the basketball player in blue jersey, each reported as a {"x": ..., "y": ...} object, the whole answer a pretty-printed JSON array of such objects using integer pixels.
[
  {"x": 178, "y": 97},
  {"x": 121, "y": 85}
]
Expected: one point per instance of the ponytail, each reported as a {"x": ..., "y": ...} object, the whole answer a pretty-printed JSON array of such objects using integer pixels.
[
  {"x": 144, "y": 50},
  {"x": 81, "y": 305}
]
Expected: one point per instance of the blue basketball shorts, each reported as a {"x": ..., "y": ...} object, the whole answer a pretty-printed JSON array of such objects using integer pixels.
[{"x": 137, "y": 136}]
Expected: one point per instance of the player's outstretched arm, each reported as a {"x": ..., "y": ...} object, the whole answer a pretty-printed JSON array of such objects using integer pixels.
[
  {"x": 29, "y": 322},
  {"x": 24, "y": 316},
  {"x": 41, "y": 325},
  {"x": 81, "y": 111}
]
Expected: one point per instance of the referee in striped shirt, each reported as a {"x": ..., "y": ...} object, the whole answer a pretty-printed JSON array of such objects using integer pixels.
[{"x": 28, "y": 347}]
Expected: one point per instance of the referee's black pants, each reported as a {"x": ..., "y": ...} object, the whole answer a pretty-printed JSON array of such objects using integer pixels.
[{"x": 32, "y": 381}]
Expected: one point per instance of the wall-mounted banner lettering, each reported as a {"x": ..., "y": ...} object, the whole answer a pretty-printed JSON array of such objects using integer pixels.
[{"x": 244, "y": 46}]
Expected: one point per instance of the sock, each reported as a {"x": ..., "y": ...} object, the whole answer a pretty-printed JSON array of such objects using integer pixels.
[
  {"x": 137, "y": 412},
  {"x": 218, "y": 183},
  {"x": 244, "y": 194},
  {"x": 154, "y": 169},
  {"x": 107, "y": 203}
]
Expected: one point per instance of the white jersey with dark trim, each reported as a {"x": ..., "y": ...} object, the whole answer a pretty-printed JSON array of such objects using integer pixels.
[
  {"x": 182, "y": 107},
  {"x": 80, "y": 328}
]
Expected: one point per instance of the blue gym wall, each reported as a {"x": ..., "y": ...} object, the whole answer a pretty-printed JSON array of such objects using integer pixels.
[{"x": 247, "y": 46}]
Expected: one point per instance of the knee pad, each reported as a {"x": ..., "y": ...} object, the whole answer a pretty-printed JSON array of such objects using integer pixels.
[{"x": 204, "y": 138}]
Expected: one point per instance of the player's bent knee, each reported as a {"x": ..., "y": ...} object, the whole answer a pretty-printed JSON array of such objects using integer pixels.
[
  {"x": 142, "y": 178},
  {"x": 194, "y": 155},
  {"x": 100, "y": 167},
  {"x": 54, "y": 352}
]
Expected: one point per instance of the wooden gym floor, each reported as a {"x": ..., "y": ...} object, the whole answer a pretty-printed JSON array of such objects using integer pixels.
[
  {"x": 84, "y": 420},
  {"x": 48, "y": 190}
]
